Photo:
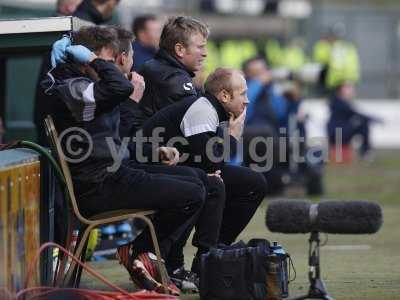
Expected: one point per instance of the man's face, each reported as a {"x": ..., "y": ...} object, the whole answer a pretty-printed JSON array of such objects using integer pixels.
[
  {"x": 125, "y": 61},
  {"x": 237, "y": 100},
  {"x": 68, "y": 8},
  {"x": 109, "y": 9},
  {"x": 347, "y": 91},
  {"x": 194, "y": 54},
  {"x": 150, "y": 36},
  {"x": 258, "y": 70}
]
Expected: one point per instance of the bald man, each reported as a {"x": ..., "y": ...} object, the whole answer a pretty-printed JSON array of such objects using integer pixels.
[{"x": 199, "y": 122}]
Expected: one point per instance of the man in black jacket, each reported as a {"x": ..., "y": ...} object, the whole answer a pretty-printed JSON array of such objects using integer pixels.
[
  {"x": 94, "y": 11},
  {"x": 207, "y": 226},
  {"x": 169, "y": 75},
  {"x": 208, "y": 128},
  {"x": 87, "y": 91}
]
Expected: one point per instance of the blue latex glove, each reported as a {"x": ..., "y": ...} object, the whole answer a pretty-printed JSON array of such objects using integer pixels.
[
  {"x": 79, "y": 53},
  {"x": 58, "y": 51}
]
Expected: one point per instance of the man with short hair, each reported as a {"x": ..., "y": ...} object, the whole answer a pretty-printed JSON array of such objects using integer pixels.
[
  {"x": 86, "y": 92},
  {"x": 42, "y": 102},
  {"x": 169, "y": 75},
  {"x": 207, "y": 226},
  {"x": 147, "y": 32},
  {"x": 208, "y": 126},
  {"x": 96, "y": 11}
]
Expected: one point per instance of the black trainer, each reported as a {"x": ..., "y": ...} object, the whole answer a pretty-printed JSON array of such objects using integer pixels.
[{"x": 186, "y": 281}]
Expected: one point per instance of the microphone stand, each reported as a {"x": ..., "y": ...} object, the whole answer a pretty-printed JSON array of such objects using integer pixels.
[{"x": 317, "y": 289}]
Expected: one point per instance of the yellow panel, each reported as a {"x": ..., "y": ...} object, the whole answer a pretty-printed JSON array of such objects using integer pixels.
[{"x": 19, "y": 223}]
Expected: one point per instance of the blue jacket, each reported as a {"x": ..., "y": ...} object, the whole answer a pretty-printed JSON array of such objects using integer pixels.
[
  {"x": 266, "y": 106},
  {"x": 141, "y": 54}
]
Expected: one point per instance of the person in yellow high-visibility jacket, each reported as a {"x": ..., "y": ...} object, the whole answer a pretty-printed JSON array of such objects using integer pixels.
[
  {"x": 293, "y": 56},
  {"x": 234, "y": 53},
  {"x": 213, "y": 60},
  {"x": 273, "y": 53},
  {"x": 322, "y": 51},
  {"x": 339, "y": 58},
  {"x": 343, "y": 64}
]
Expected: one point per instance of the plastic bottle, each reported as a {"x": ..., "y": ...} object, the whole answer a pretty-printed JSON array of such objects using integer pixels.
[
  {"x": 280, "y": 252},
  {"x": 273, "y": 278}
]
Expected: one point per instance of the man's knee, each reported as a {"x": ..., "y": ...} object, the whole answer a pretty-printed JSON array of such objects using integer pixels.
[
  {"x": 257, "y": 185},
  {"x": 216, "y": 190},
  {"x": 197, "y": 195},
  {"x": 201, "y": 174}
]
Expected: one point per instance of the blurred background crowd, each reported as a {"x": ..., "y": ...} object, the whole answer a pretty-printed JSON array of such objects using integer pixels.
[{"x": 309, "y": 47}]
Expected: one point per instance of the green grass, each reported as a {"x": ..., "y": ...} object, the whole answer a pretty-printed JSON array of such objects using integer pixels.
[{"x": 372, "y": 274}]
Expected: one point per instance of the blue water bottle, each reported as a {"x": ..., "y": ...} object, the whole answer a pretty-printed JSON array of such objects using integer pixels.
[{"x": 280, "y": 252}]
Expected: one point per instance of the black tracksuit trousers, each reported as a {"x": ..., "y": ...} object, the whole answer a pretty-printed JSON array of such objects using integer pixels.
[{"x": 177, "y": 192}]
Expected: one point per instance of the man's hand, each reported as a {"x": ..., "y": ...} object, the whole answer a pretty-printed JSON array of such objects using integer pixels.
[
  {"x": 58, "y": 54},
  {"x": 168, "y": 155},
  {"x": 80, "y": 54},
  {"x": 216, "y": 174},
  {"x": 236, "y": 125},
  {"x": 138, "y": 86}
]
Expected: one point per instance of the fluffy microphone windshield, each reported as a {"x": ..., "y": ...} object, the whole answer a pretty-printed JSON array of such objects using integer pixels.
[{"x": 344, "y": 217}]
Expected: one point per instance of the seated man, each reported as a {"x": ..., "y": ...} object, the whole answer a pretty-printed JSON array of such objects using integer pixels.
[
  {"x": 345, "y": 118},
  {"x": 87, "y": 90},
  {"x": 208, "y": 223},
  {"x": 200, "y": 122}
]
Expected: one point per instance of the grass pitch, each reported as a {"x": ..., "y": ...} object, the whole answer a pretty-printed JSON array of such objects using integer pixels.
[{"x": 353, "y": 266}]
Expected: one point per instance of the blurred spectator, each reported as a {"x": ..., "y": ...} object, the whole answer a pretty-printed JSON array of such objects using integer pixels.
[
  {"x": 96, "y": 11},
  {"x": 234, "y": 52},
  {"x": 266, "y": 113},
  {"x": 339, "y": 58},
  {"x": 347, "y": 120},
  {"x": 213, "y": 60},
  {"x": 67, "y": 7},
  {"x": 293, "y": 56},
  {"x": 266, "y": 105},
  {"x": 273, "y": 52},
  {"x": 275, "y": 117},
  {"x": 147, "y": 32}
]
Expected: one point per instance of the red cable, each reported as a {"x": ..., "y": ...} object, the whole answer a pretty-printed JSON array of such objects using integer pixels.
[{"x": 124, "y": 295}]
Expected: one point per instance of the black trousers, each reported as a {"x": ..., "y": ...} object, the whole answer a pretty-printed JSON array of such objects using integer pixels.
[
  {"x": 209, "y": 220},
  {"x": 245, "y": 189},
  {"x": 228, "y": 208},
  {"x": 164, "y": 186},
  {"x": 178, "y": 200}
]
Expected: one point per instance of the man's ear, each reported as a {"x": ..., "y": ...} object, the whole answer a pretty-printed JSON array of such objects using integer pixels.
[
  {"x": 180, "y": 50},
  {"x": 224, "y": 96},
  {"x": 119, "y": 59}
]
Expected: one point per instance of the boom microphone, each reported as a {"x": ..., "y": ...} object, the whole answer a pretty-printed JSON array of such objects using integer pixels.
[{"x": 343, "y": 217}]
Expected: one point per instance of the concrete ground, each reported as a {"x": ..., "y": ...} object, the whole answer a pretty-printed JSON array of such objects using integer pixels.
[{"x": 353, "y": 266}]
